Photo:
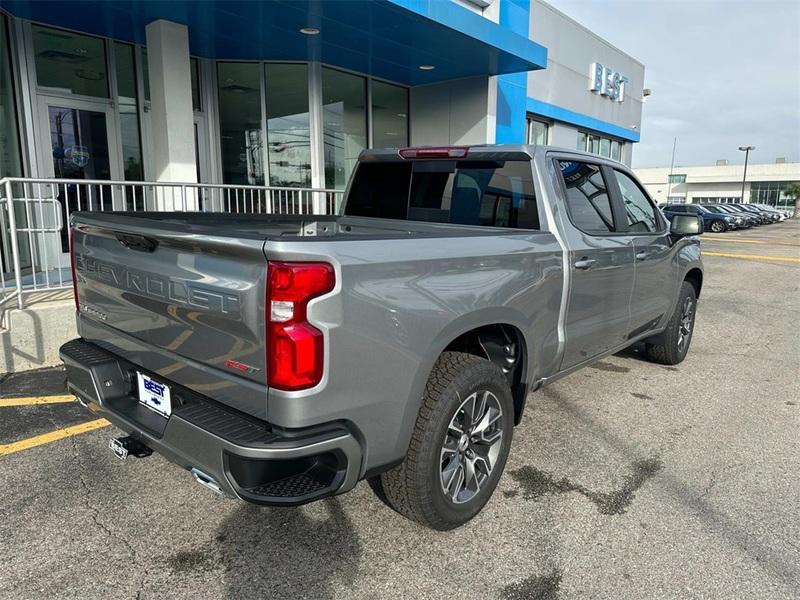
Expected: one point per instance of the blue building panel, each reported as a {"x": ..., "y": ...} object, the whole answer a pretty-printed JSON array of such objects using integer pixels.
[
  {"x": 512, "y": 89},
  {"x": 580, "y": 120},
  {"x": 384, "y": 38}
]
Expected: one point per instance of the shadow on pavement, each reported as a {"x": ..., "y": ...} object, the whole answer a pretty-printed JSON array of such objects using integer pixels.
[{"x": 288, "y": 552}]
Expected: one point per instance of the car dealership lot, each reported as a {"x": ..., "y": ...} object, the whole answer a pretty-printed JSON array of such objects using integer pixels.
[{"x": 627, "y": 479}]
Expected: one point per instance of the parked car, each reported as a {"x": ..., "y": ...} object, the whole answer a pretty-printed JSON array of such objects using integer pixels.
[
  {"x": 281, "y": 359},
  {"x": 742, "y": 221},
  {"x": 777, "y": 214},
  {"x": 766, "y": 216},
  {"x": 712, "y": 221},
  {"x": 755, "y": 220}
]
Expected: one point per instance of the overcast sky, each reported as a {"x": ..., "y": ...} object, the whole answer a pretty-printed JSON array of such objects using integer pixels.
[{"x": 724, "y": 73}]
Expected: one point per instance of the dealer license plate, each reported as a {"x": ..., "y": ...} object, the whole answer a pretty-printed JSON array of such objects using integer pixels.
[{"x": 154, "y": 395}]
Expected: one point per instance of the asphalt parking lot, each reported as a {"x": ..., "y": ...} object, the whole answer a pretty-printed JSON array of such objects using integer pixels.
[{"x": 626, "y": 480}]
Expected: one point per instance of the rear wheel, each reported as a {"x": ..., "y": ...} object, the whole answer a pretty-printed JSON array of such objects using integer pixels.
[
  {"x": 674, "y": 342},
  {"x": 718, "y": 226},
  {"x": 459, "y": 447}
]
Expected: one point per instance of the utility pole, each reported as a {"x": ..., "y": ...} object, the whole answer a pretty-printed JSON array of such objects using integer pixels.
[
  {"x": 746, "y": 150},
  {"x": 671, "y": 167}
]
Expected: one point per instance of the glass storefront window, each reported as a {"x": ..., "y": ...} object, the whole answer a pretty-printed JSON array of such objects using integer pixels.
[
  {"x": 239, "y": 90},
  {"x": 582, "y": 141},
  {"x": 195, "y": 68},
  {"x": 10, "y": 161},
  {"x": 146, "y": 74},
  {"x": 537, "y": 132},
  {"x": 70, "y": 63},
  {"x": 288, "y": 128},
  {"x": 616, "y": 150},
  {"x": 389, "y": 115},
  {"x": 596, "y": 144},
  {"x": 128, "y": 112},
  {"x": 344, "y": 119}
]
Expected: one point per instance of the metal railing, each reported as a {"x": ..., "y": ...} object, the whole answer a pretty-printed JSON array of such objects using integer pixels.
[{"x": 34, "y": 218}]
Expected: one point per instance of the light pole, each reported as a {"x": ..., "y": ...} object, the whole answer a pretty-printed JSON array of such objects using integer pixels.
[{"x": 746, "y": 150}]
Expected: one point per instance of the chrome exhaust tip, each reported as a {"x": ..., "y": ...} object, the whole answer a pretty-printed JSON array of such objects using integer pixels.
[{"x": 207, "y": 481}]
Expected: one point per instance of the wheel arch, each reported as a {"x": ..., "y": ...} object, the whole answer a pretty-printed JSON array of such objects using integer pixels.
[
  {"x": 504, "y": 345},
  {"x": 695, "y": 277}
]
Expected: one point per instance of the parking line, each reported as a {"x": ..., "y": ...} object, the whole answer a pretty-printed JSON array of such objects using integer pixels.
[
  {"x": 753, "y": 257},
  {"x": 733, "y": 240},
  {"x": 31, "y": 400},
  {"x": 52, "y": 436}
]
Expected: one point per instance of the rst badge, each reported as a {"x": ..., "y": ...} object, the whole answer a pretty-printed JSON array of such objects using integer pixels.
[{"x": 233, "y": 364}]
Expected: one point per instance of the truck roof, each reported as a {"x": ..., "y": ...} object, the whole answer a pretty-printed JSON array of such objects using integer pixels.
[{"x": 476, "y": 151}]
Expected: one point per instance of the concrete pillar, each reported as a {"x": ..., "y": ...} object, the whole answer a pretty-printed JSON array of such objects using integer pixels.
[{"x": 171, "y": 102}]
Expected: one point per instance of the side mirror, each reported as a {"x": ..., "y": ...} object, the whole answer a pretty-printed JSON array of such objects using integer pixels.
[{"x": 683, "y": 225}]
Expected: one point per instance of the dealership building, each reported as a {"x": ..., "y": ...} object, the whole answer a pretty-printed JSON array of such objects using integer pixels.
[
  {"x": 723, "y": 183},
  {"x": 288, "y": 93},
  {"x": 250, "y": 105}
]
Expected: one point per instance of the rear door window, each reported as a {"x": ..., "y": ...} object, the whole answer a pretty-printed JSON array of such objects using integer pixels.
[
  {"x": 488, "y": 193},
  {"x": 588, "y": 201}
]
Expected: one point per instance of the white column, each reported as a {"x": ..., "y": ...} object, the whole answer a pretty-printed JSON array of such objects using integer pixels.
[{"x": 171, "y": 109}]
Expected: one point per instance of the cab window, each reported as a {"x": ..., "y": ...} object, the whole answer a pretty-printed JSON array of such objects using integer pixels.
[{"x": 588, "y": 202}]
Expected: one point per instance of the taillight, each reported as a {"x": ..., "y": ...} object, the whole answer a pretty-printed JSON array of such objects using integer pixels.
[
  {"x": 435, "y": 152},
  {"x": 295, "y": 348},
  {"x": 72, "y": 267}
]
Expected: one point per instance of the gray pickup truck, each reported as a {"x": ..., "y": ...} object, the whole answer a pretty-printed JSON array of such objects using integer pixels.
[{"x": 282, "y": 359}]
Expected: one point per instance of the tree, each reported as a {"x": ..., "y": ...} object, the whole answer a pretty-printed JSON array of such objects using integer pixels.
[{"x": 793, "y": 191}]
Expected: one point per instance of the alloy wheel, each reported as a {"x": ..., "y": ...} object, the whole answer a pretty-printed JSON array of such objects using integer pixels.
[
  {"x": 685, "y": 326},
  {"x": 471, "y": 446}
]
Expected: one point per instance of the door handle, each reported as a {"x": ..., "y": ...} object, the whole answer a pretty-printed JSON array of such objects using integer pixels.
[
  {"x": 584, "y": 263},
  {"x": 642, "y": 255}
]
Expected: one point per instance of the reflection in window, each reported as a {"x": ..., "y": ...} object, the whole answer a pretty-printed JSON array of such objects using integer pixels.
[
  {"x": 70, "y": 63},
  {"x": 587, "y": 197},
  {"x": 641, "y": 213},
  {"x": 389, "y": 115},
  {"x": 288, "y": 129},
  {"x": 344, "y": 119},
  {"x": 128, "y": 113},
  {"x": 240, "y": 123},
  {"x": 488, "y": 193},
  {"x": 10, "y": 162}
]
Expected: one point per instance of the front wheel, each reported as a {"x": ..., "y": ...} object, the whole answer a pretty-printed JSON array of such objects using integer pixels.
[
  {"x": 718, "y": 227},
  {"x": 675, "y": 340},
  {"x": 459, "y": 446}
]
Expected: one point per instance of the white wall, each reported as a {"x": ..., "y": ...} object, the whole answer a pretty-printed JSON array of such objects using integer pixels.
[
  {"x": 453, "y": 112},
  {"x": 571, "y": 50}
]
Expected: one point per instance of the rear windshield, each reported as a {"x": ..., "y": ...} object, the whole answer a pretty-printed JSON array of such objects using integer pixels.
[{"x": 490, "y": 193}]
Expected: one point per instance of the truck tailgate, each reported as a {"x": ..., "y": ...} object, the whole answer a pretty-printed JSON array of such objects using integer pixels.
[{"x": 179, "y": 301}]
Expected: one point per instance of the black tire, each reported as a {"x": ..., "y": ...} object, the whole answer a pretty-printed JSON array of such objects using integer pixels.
[
  {"x": 673, "y": 344},
  {"x": 718, "y": 226},
  {"x": 415, "y": 488}
]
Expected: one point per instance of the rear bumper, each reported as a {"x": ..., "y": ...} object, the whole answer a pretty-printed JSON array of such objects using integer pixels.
[{"x": 245, "y": 457}]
